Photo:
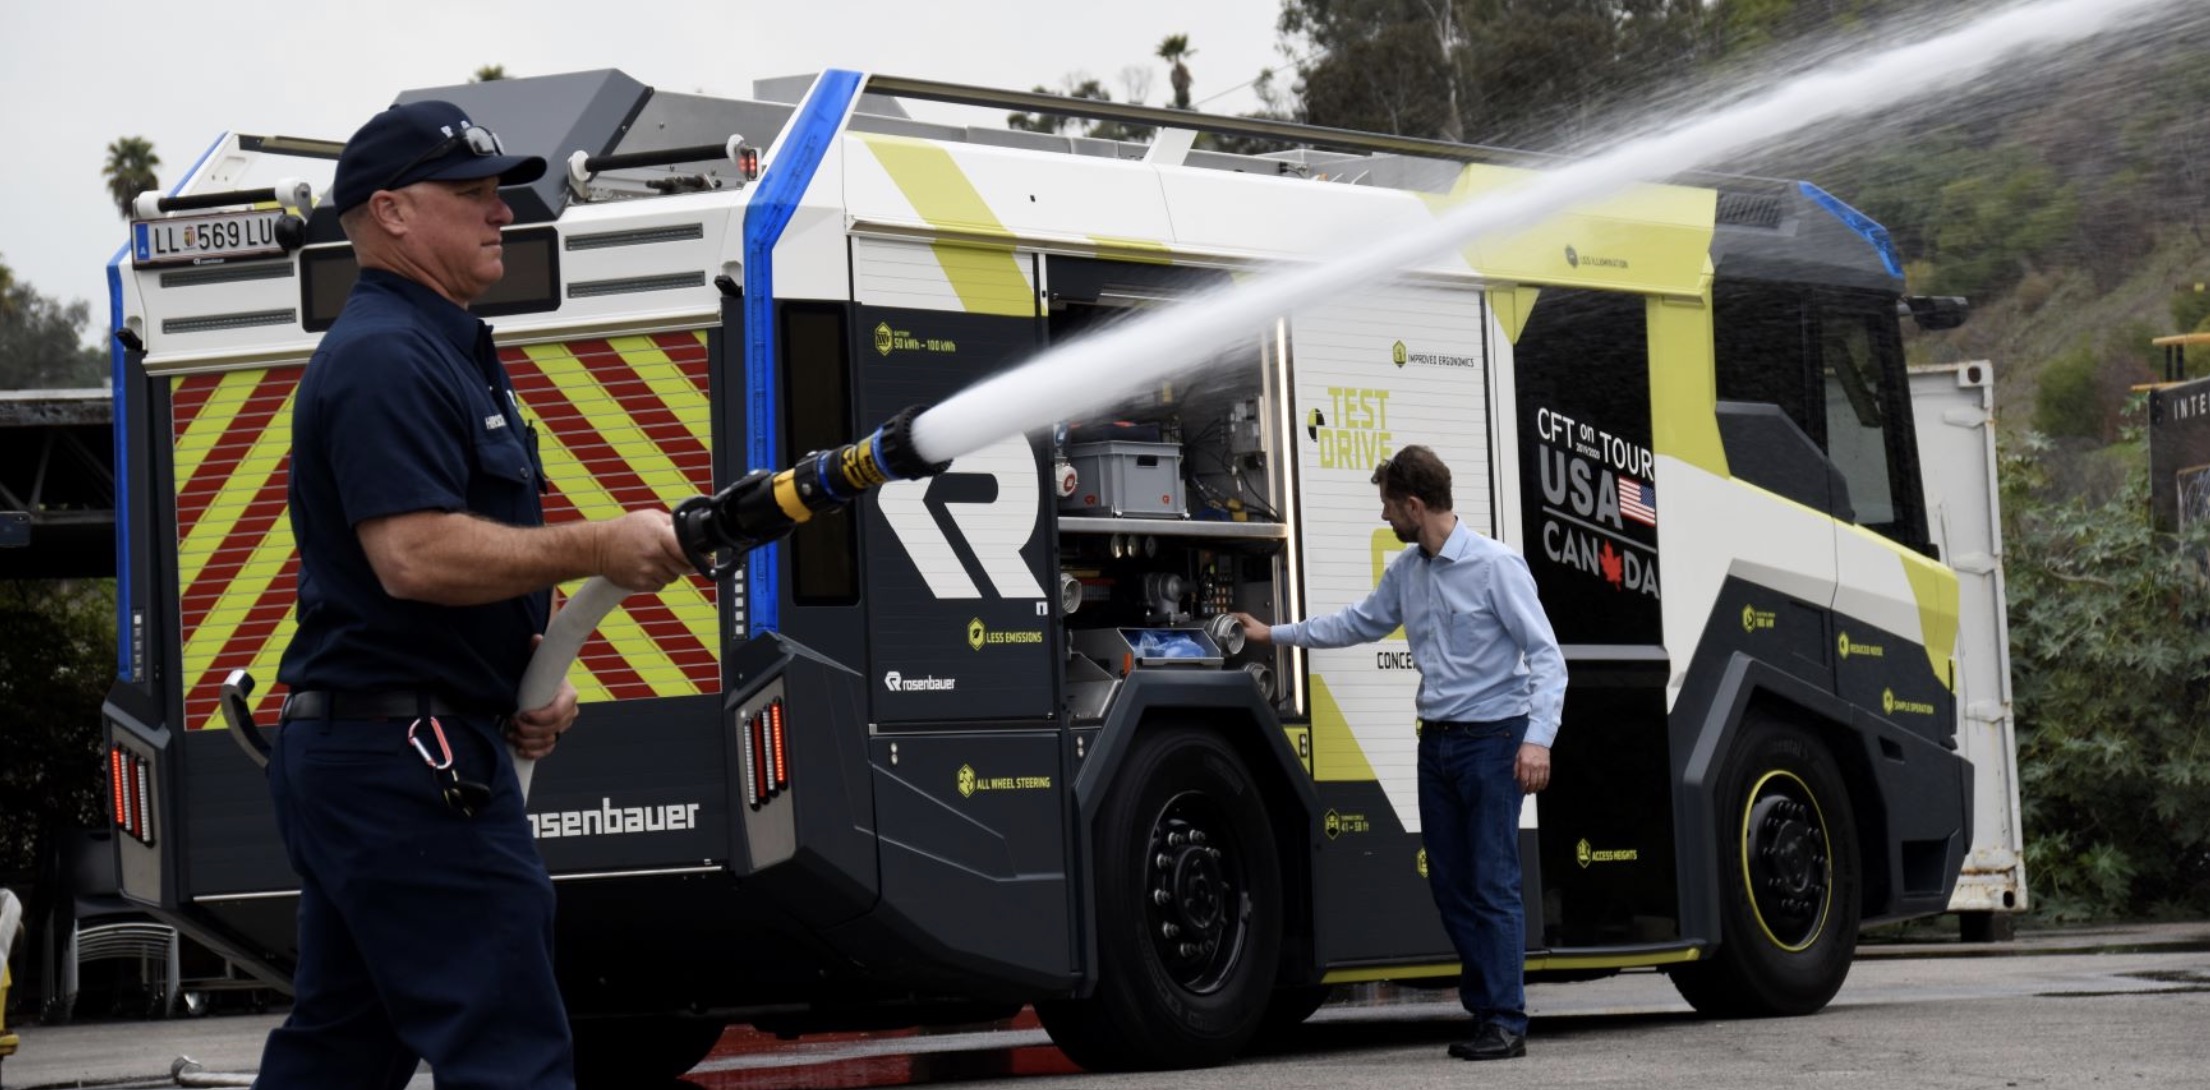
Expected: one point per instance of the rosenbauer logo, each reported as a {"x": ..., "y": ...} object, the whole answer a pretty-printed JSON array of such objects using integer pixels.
[
  {"x": 899, "y": 683},
  {"x": 611, "y": 820}
]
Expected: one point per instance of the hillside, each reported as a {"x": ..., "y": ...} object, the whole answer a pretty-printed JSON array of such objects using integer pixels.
[{"x": 2023, "y": 328}]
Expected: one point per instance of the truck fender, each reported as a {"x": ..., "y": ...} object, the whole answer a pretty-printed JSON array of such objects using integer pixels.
[
  {"x": 1232, "y": 705},
  {"x": 1896, "y": 781}
]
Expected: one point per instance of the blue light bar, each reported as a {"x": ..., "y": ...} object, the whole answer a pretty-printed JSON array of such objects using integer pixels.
[{"x": 1859, "y": 223}]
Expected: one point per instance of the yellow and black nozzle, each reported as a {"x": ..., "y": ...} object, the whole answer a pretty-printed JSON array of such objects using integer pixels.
[{"x": 717, "y": 530}]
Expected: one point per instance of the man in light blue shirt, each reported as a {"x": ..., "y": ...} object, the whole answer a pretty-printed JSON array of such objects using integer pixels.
[{"x": 1492, "y": 688}]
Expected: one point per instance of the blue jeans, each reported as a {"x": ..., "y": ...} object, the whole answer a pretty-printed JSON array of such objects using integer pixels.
[
  {"x": 1469, "y": 821},
  {"x": 422, "y": 933}
]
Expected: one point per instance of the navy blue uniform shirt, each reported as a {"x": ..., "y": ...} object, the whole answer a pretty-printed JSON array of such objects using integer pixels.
[{"x": 405, "y": 407}]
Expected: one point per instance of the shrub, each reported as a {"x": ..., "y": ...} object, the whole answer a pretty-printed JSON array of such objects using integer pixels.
[
  {"x": 2110, "y": 658},
  {"x": 57, "y": 658},
  {"x": 2065, "y": 404}
]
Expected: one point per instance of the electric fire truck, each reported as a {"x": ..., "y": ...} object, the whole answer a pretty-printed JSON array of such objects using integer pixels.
[{"x": 986, "y": 737}]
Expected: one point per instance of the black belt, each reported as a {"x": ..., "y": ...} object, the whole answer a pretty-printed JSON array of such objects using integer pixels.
[
  {"x": 1445, "y": 726},
  {"x": 390, "y": 705}
]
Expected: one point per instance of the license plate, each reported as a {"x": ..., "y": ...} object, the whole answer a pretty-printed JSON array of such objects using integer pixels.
[{"x": 206, "y": 240}]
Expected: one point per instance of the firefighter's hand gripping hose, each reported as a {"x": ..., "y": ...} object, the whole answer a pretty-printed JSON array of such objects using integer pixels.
[{"x": 716, "y": 531}]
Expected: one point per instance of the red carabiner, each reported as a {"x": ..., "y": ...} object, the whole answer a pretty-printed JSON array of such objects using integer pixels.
[{"x": 443, "y": 747}]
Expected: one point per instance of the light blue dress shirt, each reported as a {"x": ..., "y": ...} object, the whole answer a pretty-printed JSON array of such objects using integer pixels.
[{"x": 1483, "y": 645}]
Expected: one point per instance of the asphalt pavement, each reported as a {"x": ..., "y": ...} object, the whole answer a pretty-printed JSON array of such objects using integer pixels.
[{"x": 1383, "y": 1038}]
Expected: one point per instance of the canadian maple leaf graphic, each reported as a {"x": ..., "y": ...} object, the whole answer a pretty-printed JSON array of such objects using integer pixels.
[{"x": 1611, "y": 562}]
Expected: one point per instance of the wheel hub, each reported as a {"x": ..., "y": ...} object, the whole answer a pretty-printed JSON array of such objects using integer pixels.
[
  {"x": 1785, "y": 848},
  {"x": 1198, "y": 908}
]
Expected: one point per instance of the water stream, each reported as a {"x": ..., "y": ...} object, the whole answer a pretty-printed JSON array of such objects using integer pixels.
[{"x": 1099, "y": 371}]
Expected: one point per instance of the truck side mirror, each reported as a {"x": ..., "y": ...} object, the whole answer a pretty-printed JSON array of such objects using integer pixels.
[{"x": 1936, "y": 312}]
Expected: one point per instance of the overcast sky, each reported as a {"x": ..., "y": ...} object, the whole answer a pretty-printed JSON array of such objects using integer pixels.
[{"x": 77, "y": 74}]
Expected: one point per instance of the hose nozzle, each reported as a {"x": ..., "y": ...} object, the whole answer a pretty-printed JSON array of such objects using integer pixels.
[{"x": 716, "y": 531}]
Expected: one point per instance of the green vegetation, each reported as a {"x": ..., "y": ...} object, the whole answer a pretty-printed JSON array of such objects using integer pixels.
[
  {"x": 2114, "y": 775},
  {"x": 41, "y": 340},
  {"x": 57, "y": 656},
  {"x": 129, "y": 171}
]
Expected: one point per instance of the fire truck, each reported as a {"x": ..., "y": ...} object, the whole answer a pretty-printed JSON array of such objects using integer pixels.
[{"x": 988, "y": 738}]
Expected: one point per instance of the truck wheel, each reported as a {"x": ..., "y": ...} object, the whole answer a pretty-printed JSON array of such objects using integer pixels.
[
  {"x": 1788, "y": 885},
  {"x": 1189, "y": 905},
  {"x": 616, "y": 1053}
]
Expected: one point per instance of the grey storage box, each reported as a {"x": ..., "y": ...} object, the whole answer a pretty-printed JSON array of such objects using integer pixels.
[{"x": 1126, "y": 480}]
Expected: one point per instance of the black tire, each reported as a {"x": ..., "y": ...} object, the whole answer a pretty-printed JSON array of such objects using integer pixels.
[
  {"x": 1189, "y": 905},
  {"x": 620, "y": 1053},
  {"x": 1789, "y": 884}
]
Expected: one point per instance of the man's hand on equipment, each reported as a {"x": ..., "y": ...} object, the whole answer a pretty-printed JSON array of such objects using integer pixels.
[
  {"x": 638, "y": 551},
  {"x": 1533, "y": 767},
  {"x": 534, "y": 732},
  {"x": 1255, "y": 630}
]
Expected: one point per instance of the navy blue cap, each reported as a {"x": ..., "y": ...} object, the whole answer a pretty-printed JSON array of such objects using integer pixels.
[{"x": 401, "y": 146}]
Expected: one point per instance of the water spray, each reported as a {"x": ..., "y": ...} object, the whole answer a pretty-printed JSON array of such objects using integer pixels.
[{"x": 1114, "y": 364}]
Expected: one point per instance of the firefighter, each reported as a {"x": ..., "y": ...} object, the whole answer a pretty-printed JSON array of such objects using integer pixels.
[{"x": 425, "y": 916}]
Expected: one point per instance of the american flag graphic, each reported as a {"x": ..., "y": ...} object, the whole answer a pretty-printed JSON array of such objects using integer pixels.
[{"x": 1638, "y": 500}]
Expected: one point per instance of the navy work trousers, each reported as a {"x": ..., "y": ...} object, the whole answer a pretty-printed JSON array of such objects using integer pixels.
[
  {"x": 423, "y": 933},
  {"x": 1469, "y": 822}
]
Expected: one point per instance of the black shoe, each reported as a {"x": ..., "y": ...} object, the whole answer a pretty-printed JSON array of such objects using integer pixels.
[{"x": 1491, "y": 1042}]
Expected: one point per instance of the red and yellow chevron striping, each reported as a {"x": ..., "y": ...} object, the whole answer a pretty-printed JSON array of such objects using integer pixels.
[{"x": 623, "y": 424}]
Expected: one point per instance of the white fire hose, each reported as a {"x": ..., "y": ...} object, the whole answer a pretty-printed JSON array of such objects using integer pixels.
[{"x": 563, "y": 640}]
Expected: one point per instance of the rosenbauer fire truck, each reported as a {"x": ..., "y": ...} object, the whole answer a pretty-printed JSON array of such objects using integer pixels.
[{"x": 988, "y": 738}]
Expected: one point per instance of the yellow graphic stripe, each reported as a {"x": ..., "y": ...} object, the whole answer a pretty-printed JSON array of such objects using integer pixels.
[
  {"x": 1513, "y": 306},
  {"x": 638, "y": 453},
  {"x": 580, "y": 481},
  {"x": 1135, "y": 251},
  {"x": 622, "y": 630},
  {"x": 1652, "y": 238},
  {"x": 207, "y": 428},
  {"x": 1336, "y": 755},
  {"x": 1535, "y": 963},
  {"x": 264, "y": 702},
  {"x": 1392, "y": 972},
  {"x": 1684, "y": 409},
  {"x": 987, "y": 277},
  {"x": 244, "y": 481},
  {"x": 667, "y": 382},
  {"x": 1637, "y": 960},
  {"x": 690, "y": 406},
  {"x": 239, "y": 595},
  {"x": 1935, "y": 588}
]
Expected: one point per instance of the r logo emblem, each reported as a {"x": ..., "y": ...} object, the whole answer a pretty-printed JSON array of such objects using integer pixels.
[{"x": 997, "y": 531}]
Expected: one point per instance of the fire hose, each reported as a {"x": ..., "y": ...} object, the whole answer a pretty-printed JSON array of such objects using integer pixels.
[{"x": 716, "y": 531}]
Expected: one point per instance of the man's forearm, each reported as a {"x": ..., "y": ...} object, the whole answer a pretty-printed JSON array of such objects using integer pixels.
[{"x": 454, "y": 559}]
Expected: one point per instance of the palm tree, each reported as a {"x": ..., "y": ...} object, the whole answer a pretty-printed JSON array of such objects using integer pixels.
[
  {"x": 488, "y": 73},
  {"x": 129, "y": 171},
  {"x": 1172, "y": 51}
]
